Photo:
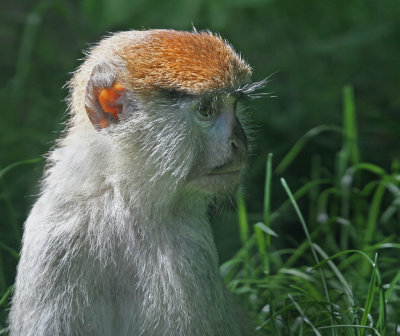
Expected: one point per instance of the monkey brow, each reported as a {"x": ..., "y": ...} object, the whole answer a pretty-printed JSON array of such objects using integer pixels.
[
  {"x": 246, "y": 91},
  {"x": 174, "y": 94},
  {"x": 249, "y": 90}
]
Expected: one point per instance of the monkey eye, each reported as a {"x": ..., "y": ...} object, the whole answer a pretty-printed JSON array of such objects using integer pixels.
[{"x": 206, "y": 111}]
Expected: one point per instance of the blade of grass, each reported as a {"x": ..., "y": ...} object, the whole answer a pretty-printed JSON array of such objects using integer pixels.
[
  {"x": 381, "y": 325},
  {"x": 339, "y": 254},
  {"x": 300, "y": 250},
  {"x": 244, "y": 231},
  {"x": 390, "y": 211},
  {"x": 350, "y": 124},
  {"x": 243, "y": 221},
  {"x": 302, "y": 191},
  {"x": 262, "y": 247},
  {"x": 241, "y": 255},
  {"x": 300, "y": 216},
  {"x": 6, "y": 295},
  {"x": 267, "y": 194},
  {"x": 10, "y": 250},
  {"x": 341, "y": 165},
  {"x": 352, "y": 326},
  {"x": 301, "y": 143},
  {"x": 16, "y": 164},
  {"x": 304, "y": 317},
  {"x": 370, "y": 298},
  {"x": 313, "y": 195},
  {"x": 323, "y": 203},
  {"x": 373, "y": 215},
  {"x": 264, "y": 241},
  {"x": 266, "y": 229},
  {"x": 374, "y": 169},
  {"x": 338, "y": 274},
  {"x": 349, "y": 154},
  {"x": 392, "y": 285}
]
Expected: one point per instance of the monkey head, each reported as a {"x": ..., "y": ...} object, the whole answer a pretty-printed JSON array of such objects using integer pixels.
[{"x": 167, "y": 101}]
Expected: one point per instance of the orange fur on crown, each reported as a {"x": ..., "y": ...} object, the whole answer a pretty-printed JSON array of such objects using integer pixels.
[{"x": 195, "y": 63}]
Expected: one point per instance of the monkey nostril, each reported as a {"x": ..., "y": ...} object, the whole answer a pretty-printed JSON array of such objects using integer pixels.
[
  {"x": 234, "y": 144},
  {"x": 238, "y": 147}
]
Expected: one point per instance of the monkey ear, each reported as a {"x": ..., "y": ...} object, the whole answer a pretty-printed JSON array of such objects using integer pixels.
[{"x": 103, "y": 96}]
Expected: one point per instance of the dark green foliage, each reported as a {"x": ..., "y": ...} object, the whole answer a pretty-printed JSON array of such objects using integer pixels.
[{"x": 341, "y": 275}]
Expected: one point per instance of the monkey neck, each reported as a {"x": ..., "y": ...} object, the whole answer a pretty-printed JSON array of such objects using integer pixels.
[
  {"x": 143, "y": 243},
  {"x": 90, "y": 165},
  {"x": 176, "y": 269},
  {"x": 117, "y": 207},
  {"x": 89, "y": 175}
]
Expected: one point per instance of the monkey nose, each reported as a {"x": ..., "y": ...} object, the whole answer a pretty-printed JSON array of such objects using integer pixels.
[{"x": 238, "y": 148}]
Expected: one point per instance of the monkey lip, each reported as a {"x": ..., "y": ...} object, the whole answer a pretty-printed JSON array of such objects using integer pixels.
[
  {"x": 225, "y": 172},
  {"x": 222, "y": 179}
]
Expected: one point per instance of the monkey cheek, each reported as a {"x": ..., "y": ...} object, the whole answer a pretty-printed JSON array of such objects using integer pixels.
[{"x": 226, "y": 183}]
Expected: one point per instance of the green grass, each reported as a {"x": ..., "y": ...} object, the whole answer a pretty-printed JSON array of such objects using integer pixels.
[{"x": 343, "y": 276}]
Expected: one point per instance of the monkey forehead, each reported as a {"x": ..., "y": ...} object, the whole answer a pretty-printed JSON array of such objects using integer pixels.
[{"x": 195, "y": 63}]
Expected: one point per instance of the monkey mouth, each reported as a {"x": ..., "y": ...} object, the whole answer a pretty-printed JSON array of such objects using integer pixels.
[
  {"x": 227, "y": 168},
  {"x": 222, "y": 173},
  {"x": 224, "y": 179}
]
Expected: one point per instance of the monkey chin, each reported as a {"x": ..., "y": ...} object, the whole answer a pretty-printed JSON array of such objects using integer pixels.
[{"x": 216, "y": 183}]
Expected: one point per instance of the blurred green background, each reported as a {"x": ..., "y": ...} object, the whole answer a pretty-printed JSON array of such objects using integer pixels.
[{"x": 313, "y": 48}]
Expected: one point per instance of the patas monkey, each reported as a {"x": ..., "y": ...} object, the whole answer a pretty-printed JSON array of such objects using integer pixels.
[{"x": 118, "y": 242}]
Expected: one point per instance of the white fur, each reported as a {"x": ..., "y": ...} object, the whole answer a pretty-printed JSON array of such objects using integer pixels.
[
  {"x": 113, "y": 248},
  {"x": 117, "y": 244}
]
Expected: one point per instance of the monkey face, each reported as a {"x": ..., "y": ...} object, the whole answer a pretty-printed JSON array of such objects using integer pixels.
[
  {"x": 168, "y": 99},
  {"x": 194, "y": 142},
  {"x": 224, "y": 153}
]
